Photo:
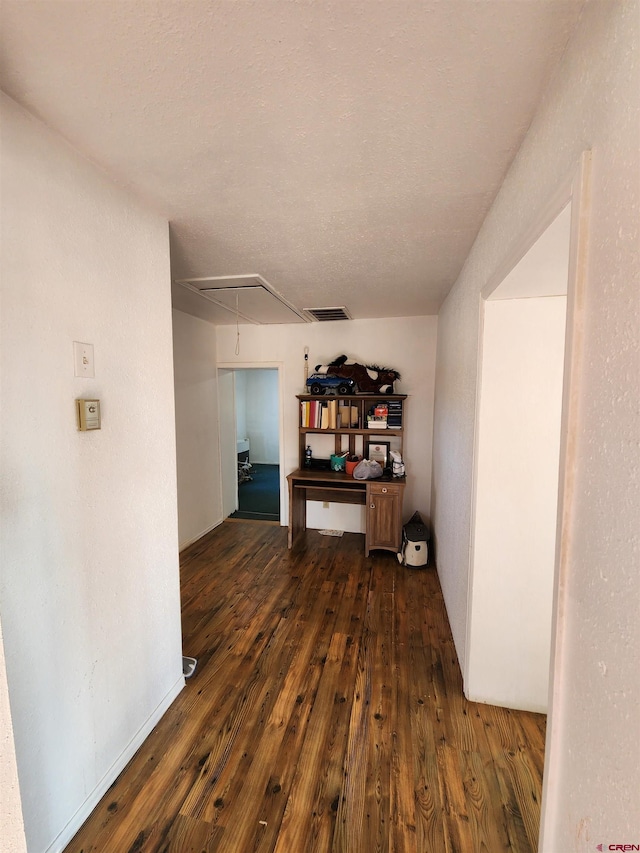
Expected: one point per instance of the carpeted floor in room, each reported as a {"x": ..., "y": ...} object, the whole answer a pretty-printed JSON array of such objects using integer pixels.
[{"x": 259, "y": 498}]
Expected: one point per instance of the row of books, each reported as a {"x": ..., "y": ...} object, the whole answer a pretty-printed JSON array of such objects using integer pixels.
[
  {"x": 394, "y": 418},
  {"x": 386, "y": 415},
  {"x": 328, "y": 414}
]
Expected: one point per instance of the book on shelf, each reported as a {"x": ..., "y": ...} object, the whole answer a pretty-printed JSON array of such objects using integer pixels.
[
  {"x": 333, "y": 414},
  {"x": 348, "y": 416},
  {"x": 314, "y": 416},
  {"x": 311, "y": 414},
  {"x": 324, "y": 417},
  {"x": 394, "y": 416}
]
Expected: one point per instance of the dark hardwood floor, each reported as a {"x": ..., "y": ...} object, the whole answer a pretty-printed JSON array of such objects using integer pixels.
[{"x": 326, "y": 714}]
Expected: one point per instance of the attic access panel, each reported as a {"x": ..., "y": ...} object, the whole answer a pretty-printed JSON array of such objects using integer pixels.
[
  {"x": 255, "y": 304},
  {"x": 249, "y": 295}
]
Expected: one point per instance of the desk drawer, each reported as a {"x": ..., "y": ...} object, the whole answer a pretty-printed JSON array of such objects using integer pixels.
[
  {"x": 333, "y": 495},
  {"x": 385, "y": 488}
]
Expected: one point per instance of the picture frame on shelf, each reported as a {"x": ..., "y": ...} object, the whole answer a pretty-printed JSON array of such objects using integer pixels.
[{"x": 378, "y": 451}]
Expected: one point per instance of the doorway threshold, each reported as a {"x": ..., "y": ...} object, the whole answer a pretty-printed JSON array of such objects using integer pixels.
[{"x": 262, "y": 518}]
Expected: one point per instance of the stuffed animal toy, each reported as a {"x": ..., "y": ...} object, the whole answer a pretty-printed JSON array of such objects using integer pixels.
[{"x": 369, "y": 378}]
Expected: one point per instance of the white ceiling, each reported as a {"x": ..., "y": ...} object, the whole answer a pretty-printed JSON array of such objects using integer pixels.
[{"x": 347, "y": 151}]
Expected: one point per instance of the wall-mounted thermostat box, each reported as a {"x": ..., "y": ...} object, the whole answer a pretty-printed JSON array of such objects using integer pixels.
[{"x": 88, "y": 412}]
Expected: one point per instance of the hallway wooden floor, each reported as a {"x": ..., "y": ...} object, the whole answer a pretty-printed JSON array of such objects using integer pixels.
[{"x": 326, "y": 714}]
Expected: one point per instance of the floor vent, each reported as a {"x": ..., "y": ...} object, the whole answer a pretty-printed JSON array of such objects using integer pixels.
[{"x": 324, "y": 315}]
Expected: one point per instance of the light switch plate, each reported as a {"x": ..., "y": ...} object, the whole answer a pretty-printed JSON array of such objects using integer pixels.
[{"x": 83, "y": 360}]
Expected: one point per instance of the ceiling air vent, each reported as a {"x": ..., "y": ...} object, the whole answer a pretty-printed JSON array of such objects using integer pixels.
[{"x": 325, "y": 315}]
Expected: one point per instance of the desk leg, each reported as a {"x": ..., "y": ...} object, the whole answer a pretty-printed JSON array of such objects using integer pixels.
[{"x": 297, "y": 512}]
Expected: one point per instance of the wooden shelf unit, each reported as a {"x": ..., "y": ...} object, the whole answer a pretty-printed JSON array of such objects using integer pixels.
[
  {"x": 363, "y": 403},
  {"x": 382, "y": 498}
]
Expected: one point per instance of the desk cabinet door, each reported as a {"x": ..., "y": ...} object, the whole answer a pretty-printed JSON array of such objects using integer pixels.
[{"x": 384, "y": 516}]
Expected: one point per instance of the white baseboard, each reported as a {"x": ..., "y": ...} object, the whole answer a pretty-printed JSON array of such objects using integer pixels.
[
  {"x": 66, "y": 834},
  {"x": 202, "y": 533},
  {"x": 499, "y": 702}
]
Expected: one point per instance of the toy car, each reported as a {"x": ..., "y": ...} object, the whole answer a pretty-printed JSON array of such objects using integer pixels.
[{"x": 318, "y": 383}]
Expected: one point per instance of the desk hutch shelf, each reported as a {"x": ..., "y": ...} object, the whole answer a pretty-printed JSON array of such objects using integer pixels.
[
  {"x": 347, "y": 422},
  {"x": 359, "y": 405}
]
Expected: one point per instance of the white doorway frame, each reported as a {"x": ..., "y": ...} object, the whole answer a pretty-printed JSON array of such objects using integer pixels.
[
  {"x": 225, "y": 441},
  {"x": 576, "y": 191}
]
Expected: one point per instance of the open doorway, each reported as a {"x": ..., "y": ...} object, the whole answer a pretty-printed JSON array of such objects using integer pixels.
[
  {"x": 513, "y": 606},
  {"x": 257, "y": 443},
  {"x": 576, "y": 193},
  {"x": 250, "y": 443},
  {"x": 517, "y": 476}
]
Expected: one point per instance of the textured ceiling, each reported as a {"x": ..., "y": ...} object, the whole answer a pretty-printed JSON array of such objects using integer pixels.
[{"x": 346, "y": 151}]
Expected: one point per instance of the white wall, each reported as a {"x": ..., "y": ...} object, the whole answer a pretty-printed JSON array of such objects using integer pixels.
[
  {"x": 591, "y": 772},
  {"x": 257, "y": 413},
  {"x": 240, "y": 385},
  {"x": 407, "y": 344},
  {"x": 517, "y": 488},
  {"x": 196, "y": 396},
  {"x": 262, "y": 404},
  {"x": 89, "y": 589}
]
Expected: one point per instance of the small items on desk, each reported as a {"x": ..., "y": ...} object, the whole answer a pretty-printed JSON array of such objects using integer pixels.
[
  {"x": 318, "y": 465},
  {"x": 351, "y": 464},
  {"x": 338, "y": 461},
  {"x": 397, "y": 465}
]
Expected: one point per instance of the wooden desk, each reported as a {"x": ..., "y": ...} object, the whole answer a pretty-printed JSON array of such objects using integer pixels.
[{"x": 382, "y": 499}]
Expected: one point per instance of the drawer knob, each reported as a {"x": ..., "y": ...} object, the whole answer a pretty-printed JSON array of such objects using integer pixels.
[
  {"x": 384, "y": 491},
  {"x": 372, "y": 506}
]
